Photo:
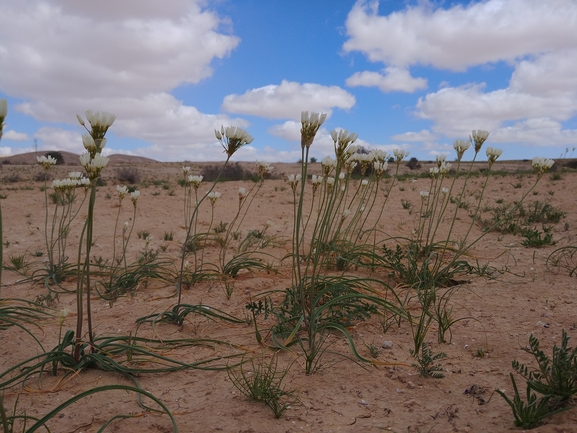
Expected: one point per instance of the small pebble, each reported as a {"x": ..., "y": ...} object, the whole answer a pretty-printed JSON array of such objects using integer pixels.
[
  {"x": 410, "y": 385},
  {"x": 387, "y": 344}
]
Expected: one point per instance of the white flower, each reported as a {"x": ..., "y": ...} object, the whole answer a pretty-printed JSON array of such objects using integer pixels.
[
  {"x": 63, "y": 313},
  {"x": 316, "y": 179},
  {"x": 444, "y": 168},
  {"x": 343, "y": 141},
  {"x": 493, "y": 154},
  {"x": 263, "y": 168},
  {"x": 134, "y": 195},
  {"x": 341, "y": 176},
  {"x": 378, "y": 155},
  {"x": 213, "y": 196},
  {"x": 75, "y": 175},
  {"x": 380, "y": 167},
  {"x": 330, "y": 181},
  {"x": 194, "y": 181},
  {"x": 294, "y": 180},
  {"x": 461, "y": 147},
  {"x": 478, "y": 137},
  {"x": 445, "y": 190},
  {"x": 541, "y": 165},
  {"x": 46, "y": 162},
  {"x": 364, "y": 182},
  {"x": 346, "y": 213},
  {"x": 310, "y": 124},
  {"x": 424, "y": 194},
  {"x": 88, "y": 143},
  {"x": 328, "y": 164},
  {"x": 185, "y": 170},
  {"x": 100, "y": 118},
  {"x": 434, "y": 172},
  {"x": 242, "y": 193},
  {"x": 400, "y": 154},
  {"x": 83, "y": 181},
  {"x": 440, "y": 159},
  {"x": 93, "y": 166},
  {"x": 232, "y": 138},
  {"x": 122, "y": 191}
]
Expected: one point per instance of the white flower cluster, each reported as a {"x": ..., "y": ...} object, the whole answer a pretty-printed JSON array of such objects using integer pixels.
[
  {"x": 343, "y": 141},
  {"x": 461, "y": 147},
  {"x": 294, "y": 180},
  {"x": 310, "y": 124},
  {"x": 242, "y": 193},
  {"x": 542, "y": 165},
  {"x": 263, "y": 168},
  {"x": 122, "y": 191},
  {"x": 213, "y": 196},
  {"x": 99, "y": 121},
  {"x": 232, "y": 138},
  {"x": 380, "y": 167},
  {"x": 194, "y": 181},
  {"x": 46, "y": 162},
  {"x": 492, "y": 154},
  {"x": 69, "y": 184},
  {"x": 92, "y": 161},
  {"x": 478, "y": 137},
  {"x": 93, "y": 165},
  {"x": 442, "y": 167},
  {"x": 400, "y": 154},
  {"x": 134, "y": 195}
]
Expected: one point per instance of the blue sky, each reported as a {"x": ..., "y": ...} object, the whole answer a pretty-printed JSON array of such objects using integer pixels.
[{"x": 402, "y": 74}]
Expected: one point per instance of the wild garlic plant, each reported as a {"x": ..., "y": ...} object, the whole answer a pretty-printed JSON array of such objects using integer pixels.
[
  {"x": 119, "y": 264},
  {"x": 436, "y": 256},
  {"x": 245, "y": 199},
  {"x": 93, "y": 163},
  {"x": 231, "y": 138},
  {"x": 326, "y": 301},
  {"x": 57, "y": 226}
]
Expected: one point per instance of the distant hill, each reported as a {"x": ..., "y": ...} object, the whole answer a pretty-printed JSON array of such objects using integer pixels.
[{"x": 69, "y": 158}]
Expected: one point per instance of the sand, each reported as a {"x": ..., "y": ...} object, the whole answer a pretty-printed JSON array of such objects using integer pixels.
[{"x": 499, "y": 312}]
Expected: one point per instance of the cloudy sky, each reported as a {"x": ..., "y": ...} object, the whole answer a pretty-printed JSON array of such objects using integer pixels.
[{"x": 416, "y": 74}]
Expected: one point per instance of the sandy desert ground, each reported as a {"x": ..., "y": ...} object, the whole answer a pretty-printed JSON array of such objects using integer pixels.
[{"x": 500, "y": 310}]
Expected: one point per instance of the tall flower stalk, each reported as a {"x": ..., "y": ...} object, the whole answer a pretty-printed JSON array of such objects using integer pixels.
[
  {"x": 231, "y": 138},
  {"x": 93, "y": 163}
]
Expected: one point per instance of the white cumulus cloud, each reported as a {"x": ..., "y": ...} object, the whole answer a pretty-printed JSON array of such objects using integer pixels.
[
  {"x": 63, "y": 57},
  {"x": 461, "y": 36},
  {"x": 288, "y": 99},
  {"x": 394, "y": 79},
  {"x": 16, "y": 136}
]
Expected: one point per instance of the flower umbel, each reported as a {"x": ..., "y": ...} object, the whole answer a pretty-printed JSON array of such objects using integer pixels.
[
  {"x": 542, "y": 165},
  {"x": 99, "y": 121},
  {"x": 400, "y": 154},
  {"x": 46, "y": 162},
  {"x": 294, "y": 180},
  {"x": 492, "y": 154},
  {"x": 232, "y": 138},
  {"x": 478, "y": 137},
  {"x": 213, "y": 196},
  {"x": 310, "y": 126},
  {"x": 194, "y": 181},
  {"x": 343, "y": 140},
  {"x": 461, "y": 147}
]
